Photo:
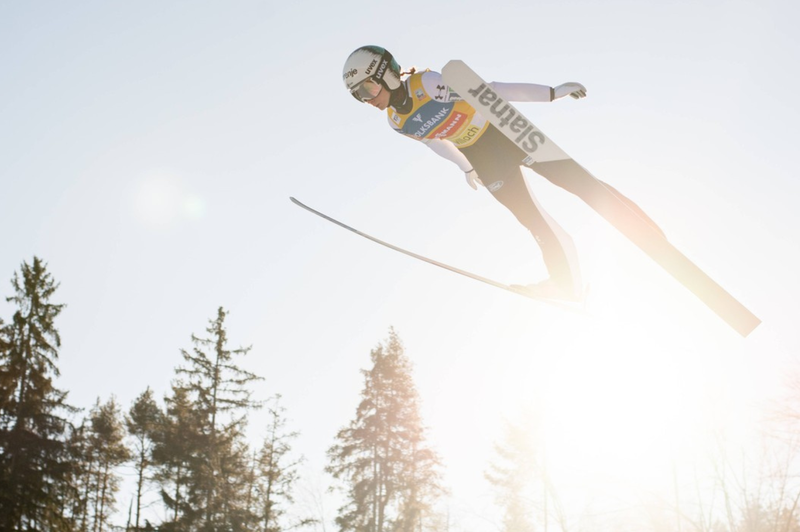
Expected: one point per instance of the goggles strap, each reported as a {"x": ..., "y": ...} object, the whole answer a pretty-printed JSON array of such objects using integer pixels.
[{"x": 383, "y": 66}]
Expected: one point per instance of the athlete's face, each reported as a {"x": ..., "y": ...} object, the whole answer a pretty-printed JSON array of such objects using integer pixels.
[{"x": 381, "y": 101}]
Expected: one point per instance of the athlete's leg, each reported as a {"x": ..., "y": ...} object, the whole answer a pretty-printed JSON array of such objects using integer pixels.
[
  {"x": 558, "y": 250},
  {"x": 496, "y": 160},
  {"x": 616, "y": 208}
]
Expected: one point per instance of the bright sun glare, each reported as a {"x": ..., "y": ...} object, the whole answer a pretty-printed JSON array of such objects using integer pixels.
[{"x": 612, "y": 405}]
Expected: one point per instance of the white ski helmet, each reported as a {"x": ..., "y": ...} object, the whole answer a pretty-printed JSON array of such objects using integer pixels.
[{"x": 367, "y": 69}]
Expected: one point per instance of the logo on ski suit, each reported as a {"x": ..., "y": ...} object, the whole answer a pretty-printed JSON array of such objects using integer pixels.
[
  {"x": 438, "y": 117},
  {"x": 494, "y": 187}
]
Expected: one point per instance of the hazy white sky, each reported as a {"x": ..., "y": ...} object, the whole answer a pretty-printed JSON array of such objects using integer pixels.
[{"x": 148, "y": 151}]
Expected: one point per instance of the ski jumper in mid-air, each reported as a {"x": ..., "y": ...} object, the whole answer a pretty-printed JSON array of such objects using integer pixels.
[{"x": 423, "y": 107}]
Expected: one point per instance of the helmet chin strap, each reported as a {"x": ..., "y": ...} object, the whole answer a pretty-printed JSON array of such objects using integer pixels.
[{"x": 400, "y": 99}]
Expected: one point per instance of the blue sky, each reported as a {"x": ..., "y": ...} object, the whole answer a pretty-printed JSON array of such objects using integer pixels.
[{"x": 149, "y": 150}]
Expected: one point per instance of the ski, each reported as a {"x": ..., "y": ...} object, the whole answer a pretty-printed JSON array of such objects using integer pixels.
[
  {"x": 576, "y": 307},
  {"x": 546, "y": 158}
]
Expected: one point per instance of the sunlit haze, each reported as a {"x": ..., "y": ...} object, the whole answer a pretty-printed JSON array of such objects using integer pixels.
[{"x": 149, "y": 151}]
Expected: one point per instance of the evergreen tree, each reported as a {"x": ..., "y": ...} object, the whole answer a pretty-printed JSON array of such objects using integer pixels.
[
  {"x": 33, "y": 451},
  {"x": 390, "y": 477},
  {"x": 97, "y": 449},
  {"x": 176, "y": 450},
  {"x": 217, "y": 465},
  {"x": 6, "y": 374},
  {"x": 106, "y": 446},
  {"x": 142, "y": 423},
  {"x": 275, "y": 476},
  {"x": 520, "y": 479},
  {"x": 82, "y": 480},
  {"x": 513, "y": 474}
]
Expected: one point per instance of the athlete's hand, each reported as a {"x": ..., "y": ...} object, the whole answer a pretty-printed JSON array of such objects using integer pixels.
[
  {"x": 576, "y": 90},
  {"x": 473, "y": 180}
]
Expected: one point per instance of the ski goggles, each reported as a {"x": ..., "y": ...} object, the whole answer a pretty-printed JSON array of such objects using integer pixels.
[{"x": 366, "y": 90}]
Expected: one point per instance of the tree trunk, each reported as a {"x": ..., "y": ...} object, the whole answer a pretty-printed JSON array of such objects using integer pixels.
[{"x": 140, "y": 484}]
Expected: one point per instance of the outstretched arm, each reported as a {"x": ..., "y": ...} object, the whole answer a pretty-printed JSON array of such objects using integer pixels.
[{"x": 531, "y": 92}]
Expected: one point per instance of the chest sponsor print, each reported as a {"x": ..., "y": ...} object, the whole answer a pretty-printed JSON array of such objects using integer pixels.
[
  {"x": 426, "y": 118},
  {"x": 453, "y": 125}
]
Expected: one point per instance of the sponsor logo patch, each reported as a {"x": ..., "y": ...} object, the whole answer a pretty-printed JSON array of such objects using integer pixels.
[
  {"x": 467, "y": 136},
  {"x": 456, "y": 121},
  {"x": 426, "y": 119},
  {"x": 382, "y": 69},
  {"x": 494, "y": 187},
  {"x": 453, "y": 96},
  {"x": 432, "y": 121}
]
